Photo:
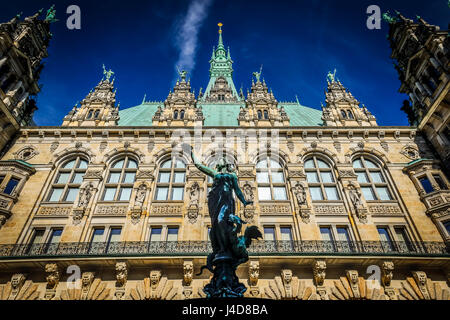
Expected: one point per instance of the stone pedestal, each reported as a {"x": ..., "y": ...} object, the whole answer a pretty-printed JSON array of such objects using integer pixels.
[{"x": 225, "y": 283}]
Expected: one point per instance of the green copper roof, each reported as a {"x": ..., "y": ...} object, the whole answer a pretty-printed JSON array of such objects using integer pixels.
[
  {"x": 140, "y": 115},
  {"x": 302, "y": 116},
  {"x": 220, "y": 115}
]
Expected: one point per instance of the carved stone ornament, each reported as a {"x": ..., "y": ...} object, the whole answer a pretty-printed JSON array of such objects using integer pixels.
[
  {"x": 192, "y": 213},
  {"x": 121, "y": 273},
  {"x": 141, "y": 192},
  {"x": 93, "y": 174},
  {"x": 17, "y": 281},
  {"x": 86, "y": 194},
  {"x": 155, "y": 276},
  {"x": 52, "y": 280},
  {"x": 136, "y": 214},
  {"x": 299, "y": 193},
  {"x": 52, "y": 275},
  {"x": 247, "y": 189},
  {"x": 352, "y": 276},
  {"x": 286, "y": 275},
  {"x": 26, "y": 153},
  {"x": 253, "y": 273},
  {"x": 319, "y": 272},
  {"x": 54, "y": 146},
  {"x": 188, "y": 272},
  {"x": 305, "y": 215},
  {"x": 421, "y": 281},
  {"x": 86, "y": 280},
  {"x": 387, "y": 273},
  {"x": 145, "y": 174},
  {"x": 411, "y": 152},
  {"x": 77, "y": 215}
]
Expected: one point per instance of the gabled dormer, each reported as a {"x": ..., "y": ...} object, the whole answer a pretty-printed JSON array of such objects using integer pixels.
[
  {"x": 98, "y": 108},
  {"x": 261, "y": 107},
  {"x": 342, "y": 109},
  {"x": 179, "y": 107}
]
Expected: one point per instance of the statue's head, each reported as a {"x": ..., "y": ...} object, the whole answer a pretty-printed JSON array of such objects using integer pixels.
[{"x": 224, "y": 166}]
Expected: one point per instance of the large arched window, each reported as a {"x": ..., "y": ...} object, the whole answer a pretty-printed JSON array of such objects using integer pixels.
[
  {"x": 270, "y": 179},
  {"x": 371, "y": 179},
  {"x": 171, "y": 180},
  {"x": 321, "y": 181},
  {"x": 121, "y": 177},
  {"x": 68, "y": 180}
]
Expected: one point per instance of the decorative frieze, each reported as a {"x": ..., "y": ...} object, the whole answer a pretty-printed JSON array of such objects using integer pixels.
[
  {"x": 166, "y": 209},
  {"x": 385, "y": 209},
  {"x": 110, "y": 210},
  {"x": 54, "y": 211},
  {"x": 329, "y": 209},
  {"x": 275, "y": 208}
]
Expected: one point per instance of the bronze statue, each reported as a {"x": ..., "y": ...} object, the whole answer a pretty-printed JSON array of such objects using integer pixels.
[{"x": 229, "y": 249}]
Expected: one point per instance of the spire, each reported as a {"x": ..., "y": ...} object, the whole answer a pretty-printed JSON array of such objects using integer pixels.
[{"x": 221, "y": 69}]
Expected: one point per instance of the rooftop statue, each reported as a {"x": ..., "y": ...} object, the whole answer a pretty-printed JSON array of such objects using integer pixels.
[
  {"x": 107, "y": 73},
  {"x": 331, "y": 76},
  {"x": 51, "y": 14},
  {"x": 257, "y": 75},
  {"x": 229, "y": 249},
  {"x": 389, "y": 18},
  {"x": 182, "y": 74}
]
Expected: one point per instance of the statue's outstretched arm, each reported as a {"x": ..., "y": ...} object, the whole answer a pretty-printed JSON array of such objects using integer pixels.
[
  {"x": 210, "y": 172},
  {"x": 238, "y": 191}
]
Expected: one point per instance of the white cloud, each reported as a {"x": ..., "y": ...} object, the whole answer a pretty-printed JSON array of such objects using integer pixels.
[{"x": 187, "y": 37}]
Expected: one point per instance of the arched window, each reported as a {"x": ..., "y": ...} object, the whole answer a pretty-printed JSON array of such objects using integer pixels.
[
  {"x": 175, "y": 114},
  {"x": 96, "y": 114},
  {"x": 371, "y": 179},
  {"x": 350, "y": 114},
  {"x": 266, "y": 115},
  {"x": 259, "y": 114},
  {"x": 171, "y": 180},
  {"x": 68, "y": 180},
  {"x": 321, "y": 181},
  {"x": 121, "y": 177},
  {"x": 182, "y": 114},
  {"x": 270, "y": 179},
  {"x": 90, "y": 114},
  {"x": 344, "y": 114}
]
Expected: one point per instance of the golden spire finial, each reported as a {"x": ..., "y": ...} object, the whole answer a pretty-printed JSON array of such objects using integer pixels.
[{"x": 220, "y": 27}]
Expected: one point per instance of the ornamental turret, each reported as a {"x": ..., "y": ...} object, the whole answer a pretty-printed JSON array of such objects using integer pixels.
[
  {"x": 220, "y": 87},
  {"x": 342, "y": 109},
  {"x": 180, "y": 106},
  {"x": 23, "y": 46},
  {"x": 261, "y": 107},
  {"x": 98, "y": 108},
  {"x": 421, "y": 57}
]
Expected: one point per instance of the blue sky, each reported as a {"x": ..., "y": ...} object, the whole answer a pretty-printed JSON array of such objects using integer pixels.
[{"x": 297, "y": 42}]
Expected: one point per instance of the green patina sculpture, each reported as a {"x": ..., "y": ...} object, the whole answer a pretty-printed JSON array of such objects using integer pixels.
[
  {"x": 229, "y": 249},
  {"x": 51, "y": 14},
  {"x": 389, "y": 18},
  {"x": 331, "y": 76},
  {"x": 107, "y": 73},
  {"x": 257, "y": 75},
  {"x": 182, "y": 74}
]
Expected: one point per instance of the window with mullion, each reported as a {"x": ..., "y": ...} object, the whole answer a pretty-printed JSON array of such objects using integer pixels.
[
  {"x": 321, "y": 181},
  {"x": 171, "y": 180},
  {"x": 270, "y": 179},
  {"x": 372, "y": 180},
  {"x": 120, "y": 180},
  {"x": 67, "y": 181}
]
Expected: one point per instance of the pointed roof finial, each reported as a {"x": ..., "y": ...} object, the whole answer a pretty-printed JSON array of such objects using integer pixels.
[
  {"x": 331, "y": 76},
  {"x": 220, "y": 35},
  {"x": 143, "y": 100},
  {"x": 296, "y": 98}
]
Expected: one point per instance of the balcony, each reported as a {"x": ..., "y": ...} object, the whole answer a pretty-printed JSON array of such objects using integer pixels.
[{"x": 202, "y": 248}]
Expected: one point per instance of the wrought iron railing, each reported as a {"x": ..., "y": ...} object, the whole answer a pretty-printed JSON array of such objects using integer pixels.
[{"x": 258, "y": 248}]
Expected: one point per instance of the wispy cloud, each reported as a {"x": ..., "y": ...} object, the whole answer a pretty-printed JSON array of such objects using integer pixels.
[{"x": 187, "y": 34}]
